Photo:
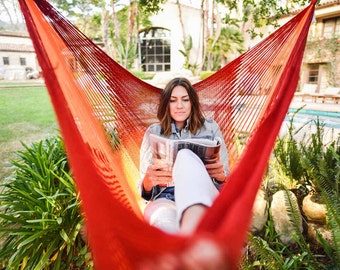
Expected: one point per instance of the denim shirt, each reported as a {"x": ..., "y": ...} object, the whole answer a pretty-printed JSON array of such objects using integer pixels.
[{"x": 210, "y": 130}]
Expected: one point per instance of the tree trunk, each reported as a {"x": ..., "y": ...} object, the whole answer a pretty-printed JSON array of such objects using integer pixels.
[
  {"x": 3, "y": 4},
  {"x": 203, "y": 39},
  {"x": 205, "y": 28},
  {"x": 105, "y": 26},
  {"x": 132, "y": 23},
  {"x": 181, "y": 20},
  {"x": 116, "y": 40}
]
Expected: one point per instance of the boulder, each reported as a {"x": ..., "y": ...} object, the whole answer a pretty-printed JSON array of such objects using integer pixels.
[
  {"x": 313, "y": 209},
  {"x": 282, "y": 222},
  {"x": 260, "y": 212},
  {"x": 312, "y": 230}
]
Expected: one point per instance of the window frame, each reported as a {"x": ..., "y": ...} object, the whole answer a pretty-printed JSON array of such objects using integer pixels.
[
  {"x": 154, "y": 47},
  {"x": 331, "y": 27},
  {"x": 5, "y": 60},
  {"x": 313, "y": 73},
  {"x": 23, "y": 61}
]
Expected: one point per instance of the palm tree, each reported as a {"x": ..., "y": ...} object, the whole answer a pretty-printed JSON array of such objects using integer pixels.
[{"x": 229, "y": 42}]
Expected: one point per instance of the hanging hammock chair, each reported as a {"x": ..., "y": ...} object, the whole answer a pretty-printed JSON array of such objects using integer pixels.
[{"x": 103, "y": 112}]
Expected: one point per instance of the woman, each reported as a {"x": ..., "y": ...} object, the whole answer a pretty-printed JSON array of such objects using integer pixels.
[{"x": 196, "y": 184}]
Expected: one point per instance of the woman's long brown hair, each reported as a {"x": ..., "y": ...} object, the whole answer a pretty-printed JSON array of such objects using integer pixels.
[{"x": 196, "y": 118}]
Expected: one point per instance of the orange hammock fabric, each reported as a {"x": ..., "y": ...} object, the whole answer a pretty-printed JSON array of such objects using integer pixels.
[{"x": 97, "y": 102}]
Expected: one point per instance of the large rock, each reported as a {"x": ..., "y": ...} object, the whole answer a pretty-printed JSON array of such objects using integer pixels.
[
  {"x": 314, "y": 228},
  {"x": 314, "y": 210},
  {"x": 282, "y": 222},
  {"x": 260, "y": 212}
]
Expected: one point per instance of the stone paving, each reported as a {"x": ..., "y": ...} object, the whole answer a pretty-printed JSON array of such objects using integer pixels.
[{"x": 317, "y": 106}]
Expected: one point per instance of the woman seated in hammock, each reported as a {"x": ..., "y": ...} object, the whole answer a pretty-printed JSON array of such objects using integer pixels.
[{"x": 180, "y": 206}]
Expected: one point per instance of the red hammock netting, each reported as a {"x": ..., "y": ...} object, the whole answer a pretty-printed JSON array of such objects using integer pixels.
[{"x": 97, "y": 102}]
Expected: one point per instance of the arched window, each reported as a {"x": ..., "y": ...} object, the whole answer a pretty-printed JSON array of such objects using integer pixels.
[{"x": 154, "y": 49}]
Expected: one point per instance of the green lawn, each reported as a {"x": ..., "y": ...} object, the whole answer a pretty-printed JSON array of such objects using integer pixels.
[{"x": 26, "y": 115}]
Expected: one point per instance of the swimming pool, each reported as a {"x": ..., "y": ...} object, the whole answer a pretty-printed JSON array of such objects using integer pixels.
[
  {"x": 304, "y": 123},
  {"x": 327, "y": 118}
]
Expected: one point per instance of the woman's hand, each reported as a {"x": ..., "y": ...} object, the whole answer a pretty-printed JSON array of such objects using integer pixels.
[
  {"x": 216, "y": 170},
  {"x": 157, "y": 174}
]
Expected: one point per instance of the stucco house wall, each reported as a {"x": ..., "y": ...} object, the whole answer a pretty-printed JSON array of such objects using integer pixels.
[
  {"x": 169, "y": 18},
  {"x": 17, "y": 49}
]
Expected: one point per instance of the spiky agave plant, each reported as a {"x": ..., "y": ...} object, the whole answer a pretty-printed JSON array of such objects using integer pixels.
[{"x": 40, "y": 221}]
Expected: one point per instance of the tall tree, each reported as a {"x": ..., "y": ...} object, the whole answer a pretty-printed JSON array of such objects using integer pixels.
[
  {"x": 248, "y": 15},
  {"x": 105, "y": 26},
  {"x": 116, "y": 31},
  {"x": 4, "y": 12},
  {"x": 132, "y": 34},
  {"x": 10, "y": 13},
  {"x": 258, "y": 13},
  {"x": 228, "y": 41}
]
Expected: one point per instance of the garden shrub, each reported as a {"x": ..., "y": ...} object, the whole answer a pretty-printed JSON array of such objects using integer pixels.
[{"x": 40, "y": 219}]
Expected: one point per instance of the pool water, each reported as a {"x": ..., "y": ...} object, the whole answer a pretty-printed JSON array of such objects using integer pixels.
[
  {"x": 304, "y": 121},
  {"x": 328, "y": 119}
]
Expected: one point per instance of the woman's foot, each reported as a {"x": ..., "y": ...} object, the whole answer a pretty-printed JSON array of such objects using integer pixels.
[
  {"x": 191, "y": 217},
  {"x": 201, "y": 254}
]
